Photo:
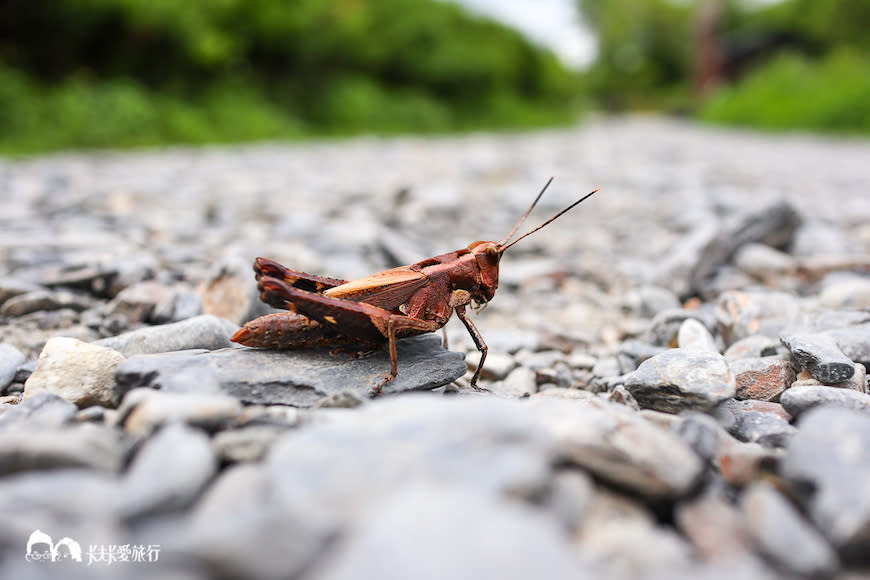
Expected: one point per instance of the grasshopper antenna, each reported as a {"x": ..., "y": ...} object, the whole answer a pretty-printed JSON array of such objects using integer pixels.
[
  {"x": 528, "y": 211},
  {"x": 502, "y": 247}
]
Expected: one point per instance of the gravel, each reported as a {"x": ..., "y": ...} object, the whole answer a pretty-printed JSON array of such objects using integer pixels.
[{"x": 676, "y": 381}]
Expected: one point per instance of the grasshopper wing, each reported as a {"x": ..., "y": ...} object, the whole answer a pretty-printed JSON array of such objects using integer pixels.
[
  {"x": 387, "y": 289},
  {"x": 266, "y": 268},
  {"x": 360, "y": 320}
]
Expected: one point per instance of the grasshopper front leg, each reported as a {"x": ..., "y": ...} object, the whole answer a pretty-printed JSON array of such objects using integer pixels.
[{"x": 478, "y": 342}]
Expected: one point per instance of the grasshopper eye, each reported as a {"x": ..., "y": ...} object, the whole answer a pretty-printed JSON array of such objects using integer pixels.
[{"x": 492, "y": 253}]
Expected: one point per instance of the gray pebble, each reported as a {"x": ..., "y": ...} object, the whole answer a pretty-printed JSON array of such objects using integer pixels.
[
  {"x": 764, "y": 262},
  {"x": 537, "y": 547},
  {"x": 797, "y": 400},
  {"x": 783, "y": 535},
  {"x": 168, "y": 472},
  {"x": 828, "y": 462},
  {"x": 142, "y": 410},
  {"x": 854, "y": 342},
  {"x": 681, "y": 379},
  {"x": 753, "y": 346},
  {"x": 693, "y": 335},
  {"x": 846, "y": 292},
  {"x": 85, "y": 445},
  {"x": 520, "y": 382},
  {"x": 236, "y": 531},
  {"x": 45, "y": 410},
  {"x": 743, "y": 314},
  {"x": 10, "y": 359},
  {"x": 647, "y": 301},
  {"x": 39, "y": 300},
  {"x": 497, "y": 364},
  {"x": 766, "y": 429},
  {"x": 206, "y": 331},
  {"x": 245, "y": 444},
  {"x": 774, "y": 225},
  {"x": 820, "y": 355}
]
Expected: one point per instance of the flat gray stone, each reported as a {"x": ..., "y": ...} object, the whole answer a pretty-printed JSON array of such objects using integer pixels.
[
  {"x": 205, "y": 331},
  {"x": 168, "y": 472},
  {"x": 820, "y": 355},
  {"x": 85, "y": 445},
  {"x": 800, "y": 399},
  {"x": 506, "y": 540},
  {"x": 42, "y": 411},
  {"x": 680, "y": 379},
  {"x": 784, "y": 536},
  {"x": 236, "y": 531},
  {"x": 828, "y": 463},
  {"x": 300, "y": 377}
]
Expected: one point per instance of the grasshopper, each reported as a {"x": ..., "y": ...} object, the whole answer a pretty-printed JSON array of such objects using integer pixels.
[{"x": 382, "y": 307}]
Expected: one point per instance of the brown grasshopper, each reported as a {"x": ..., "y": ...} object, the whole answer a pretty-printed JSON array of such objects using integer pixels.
[{"x": 385, "y": 306}]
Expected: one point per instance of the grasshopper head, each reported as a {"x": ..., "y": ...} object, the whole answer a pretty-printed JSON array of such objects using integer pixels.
[{"x": 487, "y": 255}]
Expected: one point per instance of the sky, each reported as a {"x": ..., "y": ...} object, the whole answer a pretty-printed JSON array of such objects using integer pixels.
[{"x": 552, "y": 23}]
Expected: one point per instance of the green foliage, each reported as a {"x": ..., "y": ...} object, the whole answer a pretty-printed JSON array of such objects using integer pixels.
[
  {"x": 100, "y": 73},
  {"x": 643, "y": 49},
  {"x": 792, "y": 92}
]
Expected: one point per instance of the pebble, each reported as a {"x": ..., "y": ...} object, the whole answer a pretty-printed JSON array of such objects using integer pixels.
[
  {"x": 753, "y": 346},
  {"x": 743, "y": 314},
  {"x": 764, "y": 262},
  {"x": 716, "y": 529},
  {"x": 497, "y": 364},
  {"x": 77, "y": 371},
  {"x": 820, "y": 355},
  {"x": 245, "y": 444},
  {"x": 858, "y": 381},
  {"x": 492, "y": 528},
  {"x": 89, "y": 446},
  {"x": 143, "y": 410},
  {"x": 762, "y": 379},
  {"x": 766, "y": 429},
  {"x": 828, "y": 463},
  {"x": 520, "y": 382},
  {"x": 10, "y": 359},
  {"x": 205, "y": 331},
  {"x": 846, "y": 292},
  {"x": 693, "y": 335},
  {"x": 167, "y": 473},
  {"x": 235, "y": 531},
  {"x": 854, "y": 342},
  {"x": 799, "y": 399},
  {"x": 44, "y": 410},
  {"x": 681, "y": 379},
  {"x": 783, "y": 535},
  {"x": 774, "y": 225}
]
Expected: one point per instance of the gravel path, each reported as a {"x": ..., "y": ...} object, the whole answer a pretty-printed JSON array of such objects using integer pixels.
[{"x": 676, "y": 374}]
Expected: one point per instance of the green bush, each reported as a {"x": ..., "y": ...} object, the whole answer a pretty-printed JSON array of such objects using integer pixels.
[
  {"x": 792, "y": 92},
  {"x": 104, "y": 73}
]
